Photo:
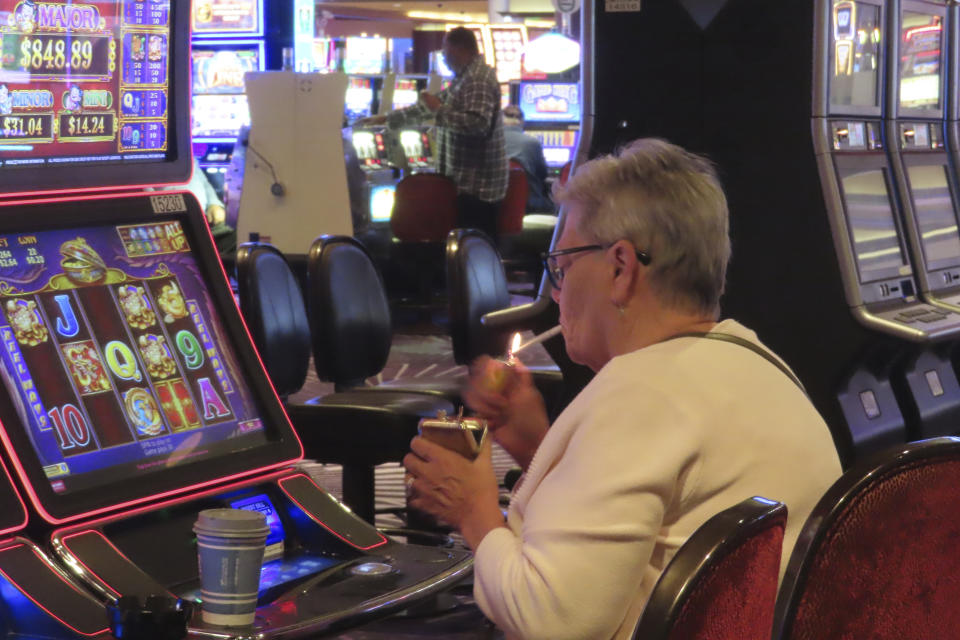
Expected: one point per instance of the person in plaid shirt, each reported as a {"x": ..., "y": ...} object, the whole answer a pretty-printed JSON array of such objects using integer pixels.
[{"x": 470, "y": 145}]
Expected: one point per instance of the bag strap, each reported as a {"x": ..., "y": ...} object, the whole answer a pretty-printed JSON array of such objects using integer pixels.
[{"x": 760, "y": 351}]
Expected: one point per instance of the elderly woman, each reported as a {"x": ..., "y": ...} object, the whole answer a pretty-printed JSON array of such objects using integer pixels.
[{"x": 673, "y": 428}]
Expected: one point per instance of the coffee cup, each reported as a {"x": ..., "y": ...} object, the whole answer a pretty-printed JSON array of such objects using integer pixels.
[{"x": 230, "y": 545}]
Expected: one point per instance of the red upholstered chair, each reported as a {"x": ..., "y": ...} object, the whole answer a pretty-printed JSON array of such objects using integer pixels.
[
  {"x": 424, "y": 212},
  {"x": 722, "y": 583},
  {"x": 514, "y": 206},
  {"x": 879, "y": 556},
  {"x": 424, "y": 208},
  {"x": 565, "y": 173}
]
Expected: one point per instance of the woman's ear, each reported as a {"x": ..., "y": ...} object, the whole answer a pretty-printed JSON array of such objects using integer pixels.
[{"x": 627, "y": 270}]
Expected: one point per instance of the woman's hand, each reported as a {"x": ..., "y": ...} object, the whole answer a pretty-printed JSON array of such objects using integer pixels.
[
  {"x": 462, "y": 493},
  {"x": 504, "y": 395}
]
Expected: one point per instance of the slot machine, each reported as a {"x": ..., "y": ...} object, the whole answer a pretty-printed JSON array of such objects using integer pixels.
[
  {"x": 551, "y": 113},
  {"x": 227, "y": 41},
  {"x": 219, "y": 105},
  {"x": 916, "y": 105},
  {"x": 132, "y": 396}
]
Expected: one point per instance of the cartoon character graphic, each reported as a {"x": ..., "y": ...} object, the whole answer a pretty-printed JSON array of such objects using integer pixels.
[
  {"x": 143, "y": 412},
  {"x": 73, "y": 99},
  {"x": 137, "y": 50},
  {"x": 6, "y": 100},
  {"x": 155, "y": 48},
  {"x": 136, "y": 307},
  {"x": 156, "y": 354},
  {"x": 24, "y": 16},
  {"x": 85, "y": 367},
  {"x": 26, "y": 322},
  {"x": 171, "y": 303}
]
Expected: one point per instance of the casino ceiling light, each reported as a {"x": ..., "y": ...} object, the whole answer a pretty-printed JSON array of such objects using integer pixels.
[{"x": 447, "y": 17}]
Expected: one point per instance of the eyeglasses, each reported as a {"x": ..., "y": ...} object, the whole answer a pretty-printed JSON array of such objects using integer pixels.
[{"x": 555, "y": 272}]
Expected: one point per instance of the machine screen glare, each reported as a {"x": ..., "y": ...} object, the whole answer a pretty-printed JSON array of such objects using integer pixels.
[
  {"x": 876, "y": 239},
  {"x": 934, "y": 210}
]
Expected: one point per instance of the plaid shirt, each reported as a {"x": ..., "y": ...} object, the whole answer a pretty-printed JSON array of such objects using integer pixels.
[{"x": 470, "y": 146}]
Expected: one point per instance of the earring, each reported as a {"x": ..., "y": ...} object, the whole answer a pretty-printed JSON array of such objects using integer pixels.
[{"x": 622, "y": 309}]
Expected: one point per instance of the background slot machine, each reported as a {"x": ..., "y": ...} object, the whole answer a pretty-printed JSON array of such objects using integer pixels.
[
  {"x": 358, "y": 102},
  {"x": 925, "y": 380},
  {"x": 227, "y": 41},
  {"x": 131, "y": 396},
  {"x": 508, "y": 42},
  {"x": 219, "y": 106},
  {"x": 551, "y": 112}
]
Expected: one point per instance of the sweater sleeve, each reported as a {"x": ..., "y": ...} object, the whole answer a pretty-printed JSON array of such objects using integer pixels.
[{"x": 590, "y": 525}]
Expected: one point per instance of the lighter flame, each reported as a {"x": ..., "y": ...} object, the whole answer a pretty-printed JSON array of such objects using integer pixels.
[{"x": 515, "y": 344}]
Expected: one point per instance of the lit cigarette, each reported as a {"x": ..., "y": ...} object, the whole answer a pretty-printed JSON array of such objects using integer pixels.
[{"x": 546, "y": 335}]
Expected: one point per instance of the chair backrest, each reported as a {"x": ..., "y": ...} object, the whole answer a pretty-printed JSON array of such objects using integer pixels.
[
  {"x": 349, "y": 312},
  {"x": 514, "y": 205},
  {"x": 424, "y": 208},
  {"x": 565, "y": 173},
  {"x": 879, "y": 556},
  {"x": 272, "y": 305},
  {"x": 476, "y": 284},
  {"x": 722, "y": 583}
]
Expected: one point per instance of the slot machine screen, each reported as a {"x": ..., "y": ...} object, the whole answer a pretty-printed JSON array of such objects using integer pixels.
[
  {"x": 856, "y": 51},
  {"x": 921, "y": 40},
  {"x": 405, "y": 93},
  {"x": 219, "y": 117},
  {"x": 126, "y": 371},
  {"x": 382, "y": 197},
  {"x": 876, "y": 238},
  {"x": 365, "y": 55},
  {"x": 222, "y": 70},
  {"x": 359, "y": 100},
  {"x": 369, "y": 147},
  {"x": 546, "y": 102},
  {"x": 558, "y": 145},
  {"x": 416, "y": 146},
  {"x": 217, "y": 18},
  {"x": 93, "y": 95},
  {"x": 933, "y": 206}
]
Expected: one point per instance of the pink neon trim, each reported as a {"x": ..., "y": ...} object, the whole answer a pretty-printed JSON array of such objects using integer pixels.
[
  {"x": 383, "y": 539},
  {"x": 48, "y": 612}
]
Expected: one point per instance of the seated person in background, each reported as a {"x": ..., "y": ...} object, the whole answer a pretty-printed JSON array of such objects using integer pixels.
[
  {"x": 528, "y": 151},
  {"x": 224, "y": 235},
  {"x": 671, "y": 430}
]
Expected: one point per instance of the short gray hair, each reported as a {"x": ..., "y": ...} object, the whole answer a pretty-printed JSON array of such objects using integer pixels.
[{"x": 667, "y": 202}]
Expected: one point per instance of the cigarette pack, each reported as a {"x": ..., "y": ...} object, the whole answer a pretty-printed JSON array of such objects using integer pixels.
[{"x": 463, "y": 435}]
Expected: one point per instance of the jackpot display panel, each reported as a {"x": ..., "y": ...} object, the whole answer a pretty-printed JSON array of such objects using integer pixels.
[
  {"x": 550, "y": 102},
  {"x": 219, "y": 18},
  {"x": 93, "y": 94},
  {"x": 124, "y": 363}
]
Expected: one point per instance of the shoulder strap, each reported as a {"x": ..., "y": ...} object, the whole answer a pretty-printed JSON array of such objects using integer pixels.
[{"x": 760, "y": 351}]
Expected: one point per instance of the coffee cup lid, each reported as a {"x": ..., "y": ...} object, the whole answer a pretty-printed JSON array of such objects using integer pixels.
[{"x": 232, "y": 521}]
